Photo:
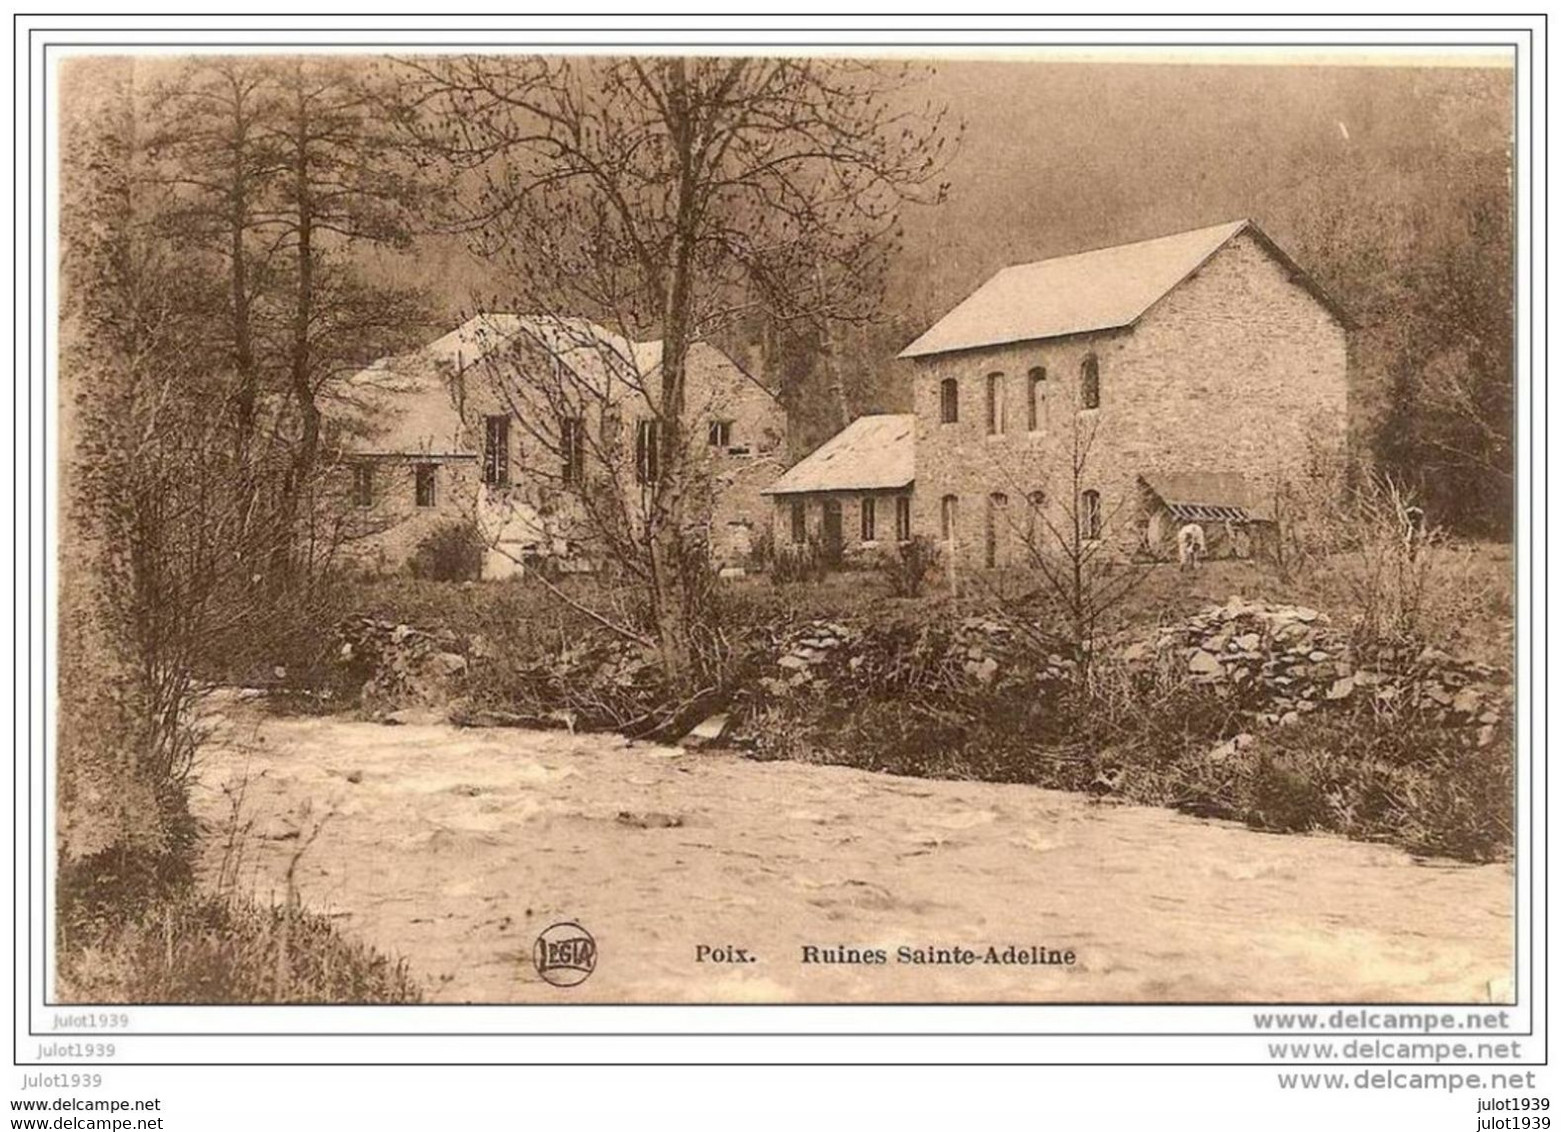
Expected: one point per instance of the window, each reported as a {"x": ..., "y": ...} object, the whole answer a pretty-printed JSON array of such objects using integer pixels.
[
  {"x": 1033, "y": 516},
  {"x": 1090, "y": 379},
  {"x": 902, "y": 518},
  {"x": 720, "y": 434},
  {"x": 950, "y": 517},
  {"x": 996, "y": 514},
  {"x": 950, "y": 395},
  {"x": 1089, "y": 517},
  {"x": 427, "y": 495},
  {"x": 995, "y": 425},
  {"x": 571, "y": 450},
  {"x": 647, "y": 451},
  {"x": 495, "y": 451},
  {"x": 363, "y": 484},
  {"x": 799, "y": 521},
  {"x": 869, "y": 518},
  {"x": 1037, "y": 397}
]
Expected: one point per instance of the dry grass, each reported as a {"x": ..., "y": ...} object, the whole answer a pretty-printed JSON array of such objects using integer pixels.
[{"x": 203, "y": 949}]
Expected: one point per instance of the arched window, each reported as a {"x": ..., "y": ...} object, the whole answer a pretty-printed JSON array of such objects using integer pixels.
[
  {"x": 1089, "y": 515},
  {"x": 996, "y": 515},
  {"x": 1090, "y": 379},
  {"x": 1036, "y": 387},
  {"x": 1036, "y": 501},
  {"x": 995, "y": 424},
  {"x": 950, "y": 517},
  {"x": 950, "y": 396}
]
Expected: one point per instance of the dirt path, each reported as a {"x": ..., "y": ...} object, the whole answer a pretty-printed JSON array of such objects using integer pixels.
[{"x": 456, "y": 848}]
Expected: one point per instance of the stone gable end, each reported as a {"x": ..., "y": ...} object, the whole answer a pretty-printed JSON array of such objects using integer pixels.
[{"x": 1240, "y": 368}]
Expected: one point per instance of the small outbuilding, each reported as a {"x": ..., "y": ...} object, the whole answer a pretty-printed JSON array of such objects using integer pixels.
[
  {"x": 853, "y": 493},
  {"x": 1235, "y": 523}
]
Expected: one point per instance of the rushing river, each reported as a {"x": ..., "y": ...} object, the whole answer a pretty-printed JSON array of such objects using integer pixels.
[{"x": 706, "y": 877}]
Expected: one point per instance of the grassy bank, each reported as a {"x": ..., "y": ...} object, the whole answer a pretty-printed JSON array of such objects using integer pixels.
[{"x": 200, "y": 948}]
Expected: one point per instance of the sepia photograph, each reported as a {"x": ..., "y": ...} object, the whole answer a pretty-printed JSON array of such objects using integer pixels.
[{"x": 785, "y": 527}]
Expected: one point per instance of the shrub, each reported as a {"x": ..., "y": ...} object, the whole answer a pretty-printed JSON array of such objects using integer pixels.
[
  {"x": 1368, "y": 552},
  {"x": 1286, "y": 795},
  {"x": 761, "y": 551},
  {"x": 908, "y": 566},
  {"x": 281, "y": 639},
  {"x": 799, "y": 562},
  {"x": 451, "y": 553}
]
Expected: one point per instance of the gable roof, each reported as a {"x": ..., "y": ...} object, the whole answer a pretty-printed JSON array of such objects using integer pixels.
[
  {"x": 399, "y": 407},
  {"x": 408, "y": 405},
  {"x": 1105, "y": 289},
  {"x": 702, "y": 355},
  {"x": 872, "y": 453}
]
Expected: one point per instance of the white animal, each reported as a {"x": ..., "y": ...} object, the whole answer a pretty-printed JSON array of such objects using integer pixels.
[{"x": 1191, "y": 544}]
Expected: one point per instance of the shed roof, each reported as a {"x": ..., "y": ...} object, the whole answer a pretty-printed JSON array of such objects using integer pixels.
[
  {"x": 1104, "y": 289},
  {"x": 1207, "y": 496},
  {"x": 872, "y": 453}
]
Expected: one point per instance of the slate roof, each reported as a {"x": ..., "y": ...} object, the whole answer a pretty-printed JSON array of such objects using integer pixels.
[
  {"x": 407, "y": 405},
  {"x": 1105, "y": 289},
  {"x": 713, "y": 364},
  {"x": 1207, "y": 496},
  {"x": 871, "y": 453}
]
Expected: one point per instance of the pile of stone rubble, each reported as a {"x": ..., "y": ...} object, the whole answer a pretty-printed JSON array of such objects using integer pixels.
[
  {"x": 1288, "y": 660},
  {"x": 404, "y": 668},
  {"x": 979, "y": 650}
]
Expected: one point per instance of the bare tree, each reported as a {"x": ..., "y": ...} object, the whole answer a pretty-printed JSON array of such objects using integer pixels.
[
  {"x": 274, "y": 171},
  {"x": 1076, "y": 542},
  {"x": 666, "y": 197}
]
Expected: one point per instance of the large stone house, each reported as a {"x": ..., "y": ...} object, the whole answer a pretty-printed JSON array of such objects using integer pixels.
[
  {"x": 1132, "y": 388},
  {"x": 541, "y": 432}
]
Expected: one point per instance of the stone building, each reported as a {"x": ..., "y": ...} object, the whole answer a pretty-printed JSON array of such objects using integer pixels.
[
  {"x": 1070, "y": 387},
  {"x": 853, "y": 493},
  {"x": 543, "y": 432}
]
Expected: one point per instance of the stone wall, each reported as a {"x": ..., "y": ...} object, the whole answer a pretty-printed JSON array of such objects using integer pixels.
[
  {"x": 1235, "y": 370},
  {"x": 850, "y": 518},
  {"x": 383, "y": 536}
]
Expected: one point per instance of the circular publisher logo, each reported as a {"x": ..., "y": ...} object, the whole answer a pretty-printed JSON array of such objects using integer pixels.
[{"x": 565, "y": 954}]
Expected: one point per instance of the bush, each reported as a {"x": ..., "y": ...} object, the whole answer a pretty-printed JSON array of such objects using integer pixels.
[
  {"x": 1367, "y": 551},
  {"x": 280, "y": 639},
  {"x": 1286, "y": 796},
  {"x": 799, "y": 562},
  {"x": 761, "y": 551},
  {"x": 451, "y": 553},
  {"x": 1406, "y": 777},
  {"x": 137, "y": 928},
  {"x": 908, "y": 566}
]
